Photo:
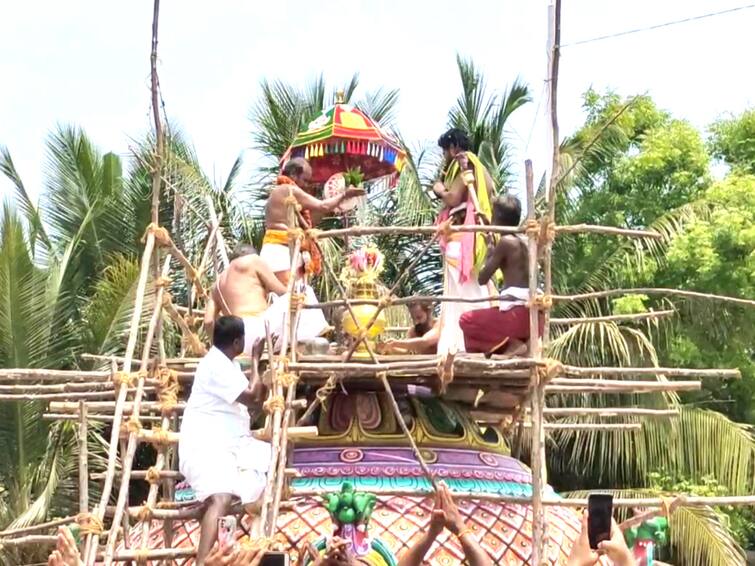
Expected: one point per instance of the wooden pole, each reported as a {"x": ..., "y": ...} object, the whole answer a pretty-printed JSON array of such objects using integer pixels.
[
  {"x": 537, "y": 396},
  {"x": 92, "y": 541},
  {"x": 83, "y": 463},
  {"x": 219, "y": 234},
  {"x": 132, "y": 441},
  {"x": 266, "y": 513},
  {"x": 430, "y": 230}
]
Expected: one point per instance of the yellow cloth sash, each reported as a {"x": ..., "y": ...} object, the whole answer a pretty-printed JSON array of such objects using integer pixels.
[
  {"x": 275, "y": 237},
  {"x": 480, "y": 247}
]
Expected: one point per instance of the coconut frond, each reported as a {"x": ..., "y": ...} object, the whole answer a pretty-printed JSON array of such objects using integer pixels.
[{"x": 27, "y": 207}]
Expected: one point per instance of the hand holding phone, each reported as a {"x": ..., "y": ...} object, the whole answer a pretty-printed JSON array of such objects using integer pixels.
[
  {"x": 226, "y": 532},
  {"x": 600, "y": 513}
]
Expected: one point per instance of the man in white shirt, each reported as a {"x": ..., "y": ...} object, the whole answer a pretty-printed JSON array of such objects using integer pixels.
[{"x": 217, "y": 454}]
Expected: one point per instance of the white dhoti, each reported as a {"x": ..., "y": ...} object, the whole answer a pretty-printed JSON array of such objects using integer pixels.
[
  {"x": 451, "y": 337},
  {"x": 277, "y": 257},
  {"x": 311, "y": 323},
  {"x": 210, "y": 468}
]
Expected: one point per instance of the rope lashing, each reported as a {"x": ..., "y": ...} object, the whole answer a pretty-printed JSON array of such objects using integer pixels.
[
  {"x": 295, "y": 234},
  {"x": 152, "y": 475},
  {"x": 541, "y": 302},
  {"x": 313, "y": 233},
  {"x": 168, "y": 388},
  {"x": 133, "y": 425},
  {"x": 274, "y": 403},
  {"x": 385, "y": 301},
  {"x": 296, "y": 301},
  {"x": 549, "y": 369},
  {"x": 158, "y": 435},
  {"x": 532, "y": 228},
  {"x": 162, "y": 236},
  {"x": 328, "y": 387},
  {"x": 194, "y": 344},
  {"x": 291, "y": 200},
  {"x": 445, "y": 370},
  {"x": 89, "y": 524},
  {"x": 547, "y": 232},
  {"x": 122, "y": 378},
  {"x": 144, "y": 513},
  {"x": 141, "y": 556},
  {"x": 167, "y": 299},
  {"x": 288, "y": 379},
  {"x": 163, "y": 281}
]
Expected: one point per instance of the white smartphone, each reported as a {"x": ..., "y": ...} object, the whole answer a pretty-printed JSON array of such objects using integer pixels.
[{"x": 227, "y": 531}]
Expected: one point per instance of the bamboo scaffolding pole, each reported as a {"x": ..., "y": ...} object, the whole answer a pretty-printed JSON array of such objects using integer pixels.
[
  {"x": 39, "y": 527},
  {"x": 28, "y": 374},
  {"x": 175, "y": 316},
  {"x": 92, "y": 540},
  {"x": 267, "y": 512},
  {"x": 556, "y": 298},
  {"x": 653, "y": 291},
  {"x": 78, "y": 387},
  {"x": 133, "y": 436},
  {"x": 429, "y": 230},
  {"x": 106, "y": 407},
  {"x": 208, "y": 249},
  {"x": 652, "y": 315},
  {"x": 173, "y": 475},
  {"x": 536, "y": 388},
  {"x": 83, "y": 462},
  {"x": 97, "y": 418},
  {"x": 288, "y": 415},
  {"x": 647, "y": 387},
  {"x": 613, "y": 318},
  {"x": 608, "y": 412},
  {"x": 215, "y": 222},
  {"x": 127, "y": 459},
  {"x": 587, "y": 426},
  {"x": 651, "y": 371}
]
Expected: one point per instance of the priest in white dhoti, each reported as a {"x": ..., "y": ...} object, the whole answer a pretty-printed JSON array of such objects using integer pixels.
[
  {"x": 218, "y": 455},
  {"x": 463, "y": 252}
]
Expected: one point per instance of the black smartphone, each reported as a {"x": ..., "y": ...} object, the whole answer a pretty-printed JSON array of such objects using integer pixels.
[
  {"x": 275, "y": 559},
  {"x": 600, "y": 512}
]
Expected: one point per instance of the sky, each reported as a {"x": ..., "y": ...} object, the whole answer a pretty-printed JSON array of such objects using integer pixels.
[{"x": 86, "y": 62}]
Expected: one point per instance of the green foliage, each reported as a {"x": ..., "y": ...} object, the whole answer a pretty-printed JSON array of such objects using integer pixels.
[
  {"x": 733, "y": 141},
  {"x": 739, "y": 520},
  {"x": 353, "y": 177},
  {"x": 630, "y": 304},
  {"x": 483, "y": 116}
]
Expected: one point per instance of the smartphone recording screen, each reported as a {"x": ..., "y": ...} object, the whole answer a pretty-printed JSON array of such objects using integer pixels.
[
  {"x": 600, "y": 511},
  {"x": 275, "y": 559}
]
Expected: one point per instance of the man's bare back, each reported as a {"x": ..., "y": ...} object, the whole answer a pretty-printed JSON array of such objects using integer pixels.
[
  {"x": 510, "y": 256},
  {"x": 242, "y": 289}
]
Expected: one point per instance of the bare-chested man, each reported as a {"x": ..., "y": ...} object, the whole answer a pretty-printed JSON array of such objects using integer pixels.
[
  {"x": 295, "y": 182},
  {"x": 504, "y": 329},
  {"x": 422, "y": 338},
  {"x": 242, "y": 290}
]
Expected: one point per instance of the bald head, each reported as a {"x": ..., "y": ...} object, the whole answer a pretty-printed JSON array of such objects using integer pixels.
[{"x": 299, "y": 170}]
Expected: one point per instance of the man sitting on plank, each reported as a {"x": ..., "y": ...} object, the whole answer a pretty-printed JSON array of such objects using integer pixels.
[
  {"x": 504, "y": 329},
  {"x": 217, "y": 454},
  {"x": 422, "y": 337},
  {"x": 243, "y": 290}
]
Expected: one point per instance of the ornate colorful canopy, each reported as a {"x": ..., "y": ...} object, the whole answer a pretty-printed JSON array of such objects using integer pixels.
[{"x": 343, "y": 137}]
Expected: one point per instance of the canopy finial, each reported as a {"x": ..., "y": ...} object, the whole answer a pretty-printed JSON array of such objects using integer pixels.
[{"x": 340, "y": 97}]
